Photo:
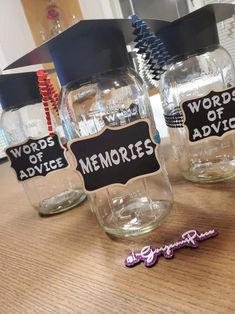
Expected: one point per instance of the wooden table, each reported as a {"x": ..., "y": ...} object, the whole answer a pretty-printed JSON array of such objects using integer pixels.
[{"x": 66, "y": 264}]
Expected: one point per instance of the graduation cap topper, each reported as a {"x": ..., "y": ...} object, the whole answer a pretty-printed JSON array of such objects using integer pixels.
[
  {"x": 18, "y": 90},
  {"x": 86, "y": 48},
  {"x": 196, "y": 30},
  {"x": 190, "y": 34}
]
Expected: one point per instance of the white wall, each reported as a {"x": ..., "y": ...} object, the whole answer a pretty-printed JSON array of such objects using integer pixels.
[
  {"x": 100, "y": 9},
  {"x": 15, "y": 35},
  {"x": 196, "y": 4}
]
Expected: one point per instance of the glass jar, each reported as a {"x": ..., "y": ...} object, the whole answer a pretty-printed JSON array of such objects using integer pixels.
[
  {"x": 117, "y": 98},
  {"x": 192, "y": 77},
  {"x": 59, "y": 190}
]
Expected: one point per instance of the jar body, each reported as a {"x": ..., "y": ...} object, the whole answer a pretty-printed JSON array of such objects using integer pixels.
[
  {"x": 59, "y": 190},
  {"x": 116, "y": 99},
  {"x": 209, "y": 160}
]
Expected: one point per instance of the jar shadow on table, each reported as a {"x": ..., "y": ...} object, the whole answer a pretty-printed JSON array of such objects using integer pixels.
[{"x": 225, "y": 186}]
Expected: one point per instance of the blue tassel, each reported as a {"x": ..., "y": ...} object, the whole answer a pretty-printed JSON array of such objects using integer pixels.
[{"x": 151, "y": 46}]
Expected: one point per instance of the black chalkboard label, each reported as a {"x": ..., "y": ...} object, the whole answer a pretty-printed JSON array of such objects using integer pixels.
[
  {"x": 115, "y": 155},
  {"x": 210, "y": 116},
  {"x": 37, "y": 157}
]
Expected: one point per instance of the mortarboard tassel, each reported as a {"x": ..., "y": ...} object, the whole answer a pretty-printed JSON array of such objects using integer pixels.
[
  {"x": 49, "y": 98},
  {"x": 151, "y": 48},
  {"x": 144, "y": 70}
]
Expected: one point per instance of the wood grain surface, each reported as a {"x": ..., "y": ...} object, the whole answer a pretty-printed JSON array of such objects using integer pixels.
[{"x": 66, "y": 264}]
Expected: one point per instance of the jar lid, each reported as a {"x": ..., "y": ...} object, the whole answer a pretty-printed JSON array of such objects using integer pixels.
[
  {"x": 194, "y": 31},
  {"x": 19, "y": 90},
  {"x": 89, "y": 47}
]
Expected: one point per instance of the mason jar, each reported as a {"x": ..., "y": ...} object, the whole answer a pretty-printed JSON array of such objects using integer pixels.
[
  {"x": 23, "y": 120},
  {"x": 116, "y": 99},
  {"x": 200, "y": 79}
]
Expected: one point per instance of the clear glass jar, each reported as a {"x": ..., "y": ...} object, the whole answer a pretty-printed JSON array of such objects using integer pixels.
[
  {"x": 192, "y": 77},
  {"x": 56, "y": 192},
  {"x": 117, "y": 98}
]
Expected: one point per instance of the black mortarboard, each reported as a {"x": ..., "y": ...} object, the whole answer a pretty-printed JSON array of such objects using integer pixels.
[
  {"x": 86, "y": 48},
  {"x": 18, "y": 90},
  {"x": 195, "y": 31}
]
